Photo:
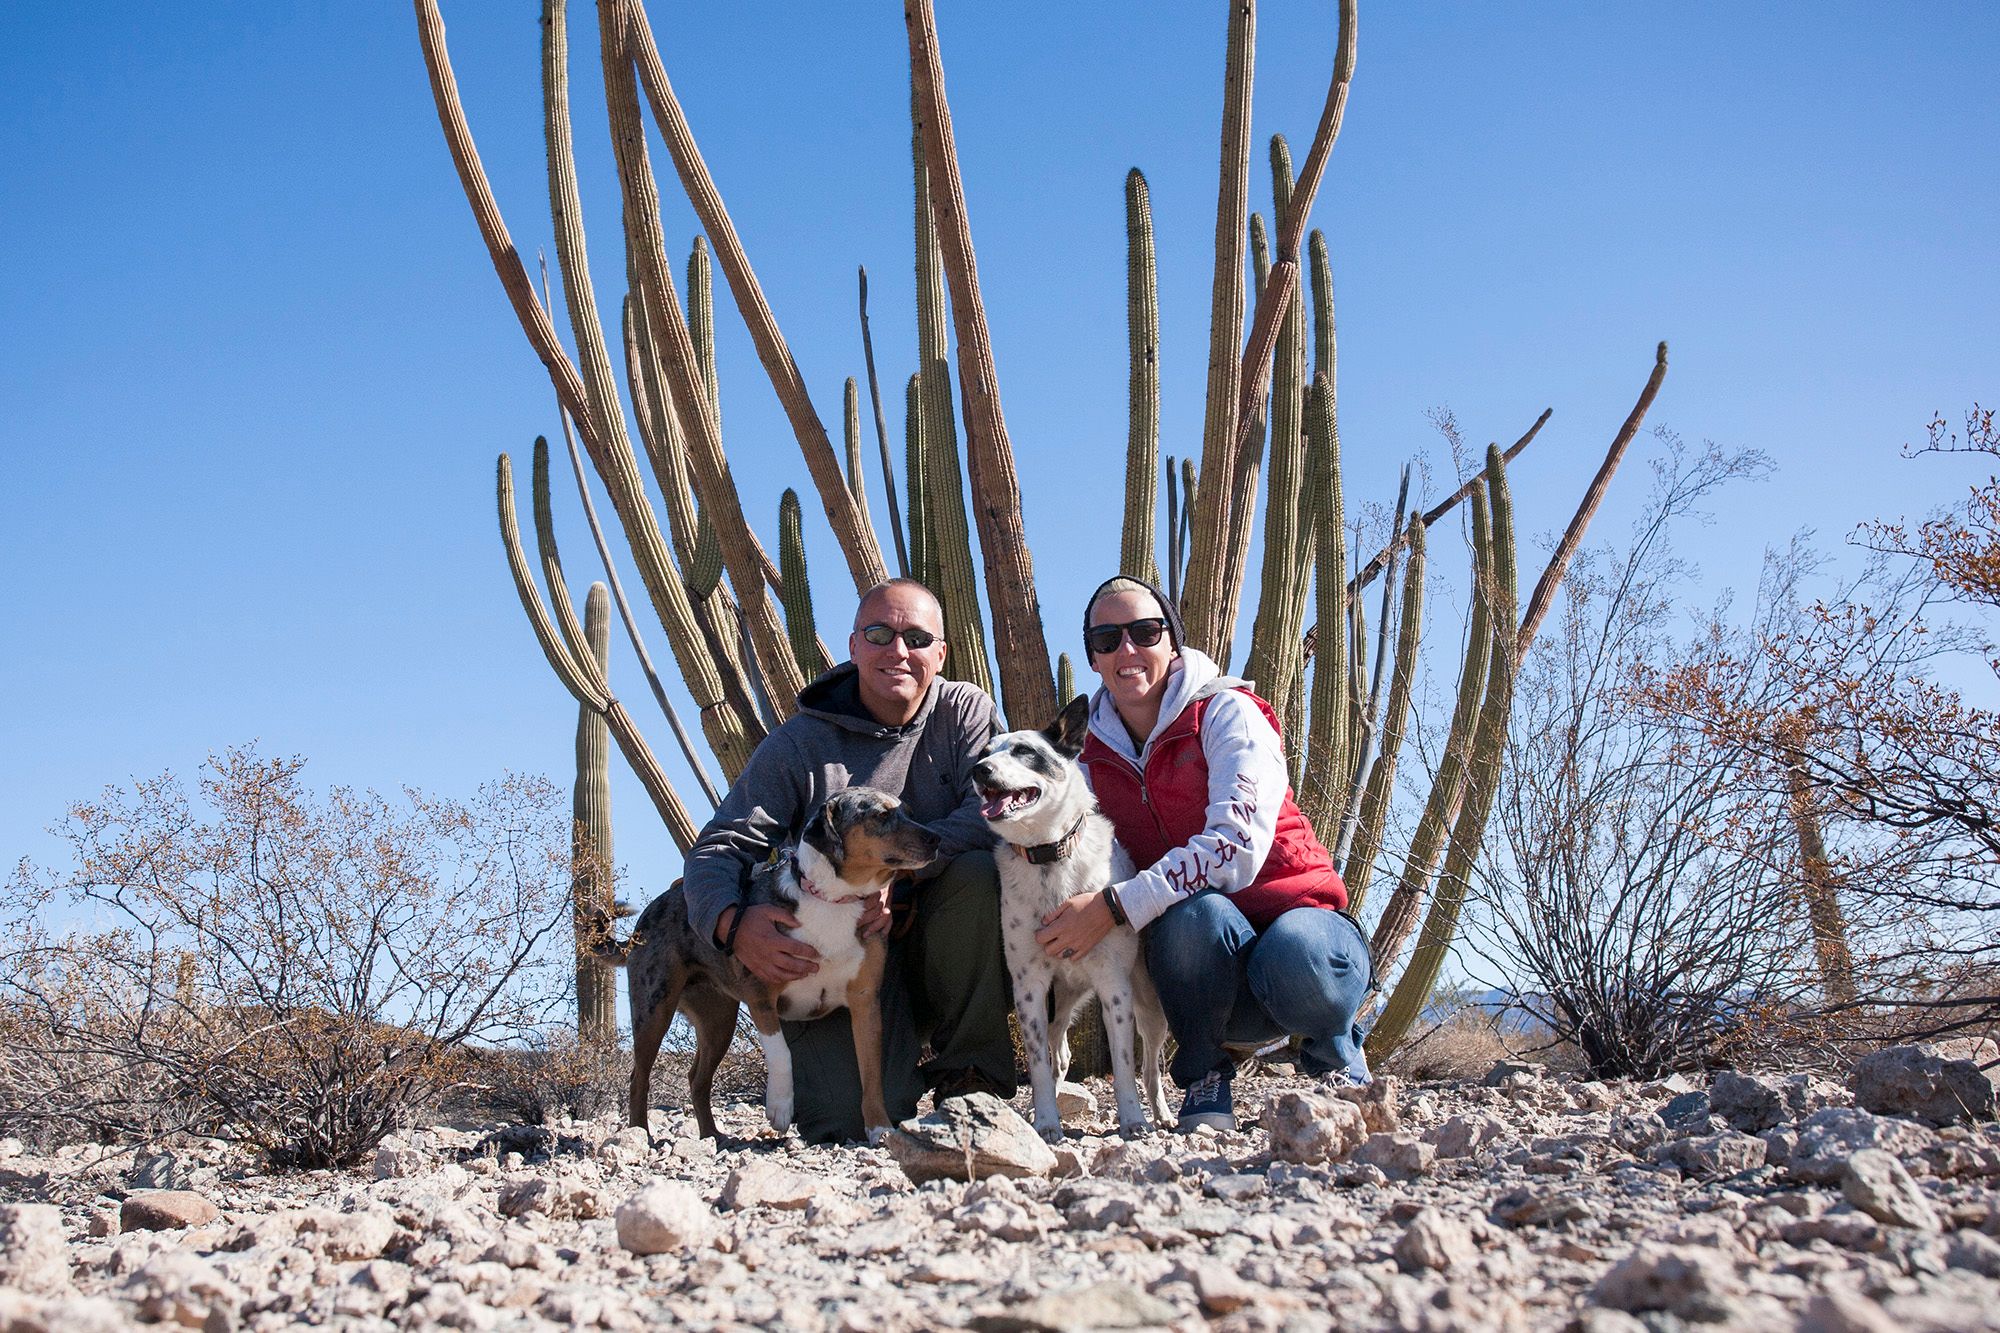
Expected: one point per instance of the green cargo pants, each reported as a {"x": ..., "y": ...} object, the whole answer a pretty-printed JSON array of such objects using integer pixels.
[{"x": 946, "y": 984}]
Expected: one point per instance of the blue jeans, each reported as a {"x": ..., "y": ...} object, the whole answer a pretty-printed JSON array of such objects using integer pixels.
[{"x": 1221, "y": 982}]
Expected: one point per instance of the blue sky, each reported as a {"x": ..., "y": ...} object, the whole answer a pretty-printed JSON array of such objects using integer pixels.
[{"x": 258, "y": 367}]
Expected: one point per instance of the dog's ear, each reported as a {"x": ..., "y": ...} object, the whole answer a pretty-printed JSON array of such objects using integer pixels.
[
  {"x": 1066, "y": 733},
  {"x": 821, "y": 834}
]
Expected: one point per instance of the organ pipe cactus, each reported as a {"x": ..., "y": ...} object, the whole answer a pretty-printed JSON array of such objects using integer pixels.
[
  {"x": 590, "y": 841},
  {"x": 1326, "y": 751},
  {"x": 923, "y": 566},
  {"x": 797, "y": 594},
  {"x": 1275, "y": 647},
  {"x": 882, "y": 435},
  {"x": 1142, "y": 440},
  {"x": 1065, "y": 679},
  {"x": 1399, "y": 917},
  {"x": 1468, "y": 830},
  {"x": 950, "y": 543},
  {"x": 1359, "y": 866}
]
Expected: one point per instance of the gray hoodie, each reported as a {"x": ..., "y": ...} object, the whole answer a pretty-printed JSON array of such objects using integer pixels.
[{"x": 833, "y": 742}]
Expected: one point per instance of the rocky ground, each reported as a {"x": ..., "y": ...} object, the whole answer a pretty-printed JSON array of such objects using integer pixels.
[{"x": 1526, "y": 1201}]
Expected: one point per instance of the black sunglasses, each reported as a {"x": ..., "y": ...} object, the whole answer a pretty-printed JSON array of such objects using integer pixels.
[
  {"x": 1106, "y": 638},
  {"x": 913, "y": 638}
]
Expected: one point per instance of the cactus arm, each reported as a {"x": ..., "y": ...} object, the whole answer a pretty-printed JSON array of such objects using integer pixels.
[
  {"x": 1414, "y": 987},
  {"x": 1399, "y": 917},
  {"x": 628, "y": 33},
  {"x": 882, "y": 436},
  {"x": 1326, "y": 755},
  {"x": 1065, "y": 679},
  {"x": 921, "y": 564},
  {"x": 1371, "y": 710},
  {"x": 1142, "y": 327},
  {"x": 686, "y": 384},
  {"x": 1275, "y": 635},
  {"x": 1593, "y": 496},
  {"x": 591, "y": 877},
  {"x": 1173, "y": 534},
  {"x": 1027, "y": 687},
  {"x": 584, "y": 682},
  {"x": 646, "y": 667},
  {"x": 1210, "y": 528},
  {"x": 798, "y": 593},
  {"x": 1359, "y": 864},
  {"x": 950, "y": 542},
  {"x": 1371, "y": 570},
  {"x": 545, "y": 547}
]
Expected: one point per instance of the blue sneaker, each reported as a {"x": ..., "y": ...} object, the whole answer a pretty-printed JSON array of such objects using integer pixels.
[{"x": 1208, "y": 1103}]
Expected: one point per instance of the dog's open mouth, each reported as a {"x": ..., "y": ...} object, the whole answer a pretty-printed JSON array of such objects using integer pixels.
[{"x": 995, "y": 803}]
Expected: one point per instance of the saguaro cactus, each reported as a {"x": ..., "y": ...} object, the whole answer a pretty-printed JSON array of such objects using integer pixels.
[
  {"x": 798, "y": 593},
  {"x": 1142, "y": 440},
  {"x": 591, "y": 877}
]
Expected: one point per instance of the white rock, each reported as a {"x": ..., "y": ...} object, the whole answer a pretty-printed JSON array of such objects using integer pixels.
[
  {"x": 1312, "y": 1127},
  {"x": 344, "y": 1237},
  {"x": 664, "y": 1218},
  {"x": 1877, "y": 1184},
  {"x": 34, "y": 1254},
  {"x": 761, "y": 1182},
  {"x": 969, "y": 1138},
  {"x": 175, "y": 1287},
  {"x": 1692, "y": 1282},
  {"x": 1435, "y": 1240}
]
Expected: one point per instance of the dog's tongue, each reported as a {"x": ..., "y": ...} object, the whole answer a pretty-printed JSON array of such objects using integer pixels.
[{"x": 1000, "y": 804}]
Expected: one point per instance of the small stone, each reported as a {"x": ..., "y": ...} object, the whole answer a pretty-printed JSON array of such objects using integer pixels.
[
  {"x": 160, "y": 1171},
  {"x": 1104, "y": 1305},
  {"x": 1834, "y": 1310},
  {"x": 1379, "y": 1103},
  {"x": 1694, "y": 1283},
  {"x": 969, "y": 1138},
  {"x": 872, "y": 1238},
  {"x": 1713, "y": 1156},
  {"x": 345, "y": 1237},
  {"x": 1216, "y": 1289},
  {"x": 1435, "y": 1240},
  {"x": 664, "y": 1218},
  {"x": 1973, "y": 1252},
  {"x": 1877, "y": 1184},
  {"x": 174, "y": 1287},
  {"x": 1397, "y": 1156},
  {"x": 1689, "y": 1111},
  {"x": 1526, "y": 1206},
  {"x": 10, "y": 1148},
  {"x": 1312, "y": 1127},
  {"x": 1464, "y": 1135},
  {"x": 1235, "y": 1188},
  {"x": 1074, "y": 1101},
  {"x": 762, "y": 1183},
  {"x": 1828, "y": 1137},
  {"x": 166, "y": 1210},
  {"x": 1911, "y": 1081},
  {"x": 34, "y": 1254},
  {"x": 395, "y": 1161},
  {"x": 1511, "y": 1073}
]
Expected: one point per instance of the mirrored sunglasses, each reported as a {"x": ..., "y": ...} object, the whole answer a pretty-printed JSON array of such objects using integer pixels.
[
  {"x": 1143, "y": 633},
  {"x": 913, "y": 638}
]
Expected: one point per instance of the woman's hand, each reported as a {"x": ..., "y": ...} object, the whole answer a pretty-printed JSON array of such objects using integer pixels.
[{"x": 1073, "y": 929}]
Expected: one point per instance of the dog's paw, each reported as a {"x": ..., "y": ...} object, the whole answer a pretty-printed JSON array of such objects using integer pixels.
[
  {"x": 1052, "y": 1132},
  {"x": 877, "y": 1135},
  {"x": 1141, "y": 1128},
  {"x": 778, "y": 1110}
]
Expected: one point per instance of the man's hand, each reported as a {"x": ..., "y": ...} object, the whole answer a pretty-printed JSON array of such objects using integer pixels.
[
  {"x": 769, "y": 953},
  {"x": 1074, "y": 928},
  {"x": 876, "y": 918}
]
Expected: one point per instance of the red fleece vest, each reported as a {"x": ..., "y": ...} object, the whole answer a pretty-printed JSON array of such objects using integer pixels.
[{"x": 1164, "y": 809}]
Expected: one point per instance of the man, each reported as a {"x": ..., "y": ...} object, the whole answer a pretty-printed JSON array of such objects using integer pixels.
[{"x": 881, "y": 720}]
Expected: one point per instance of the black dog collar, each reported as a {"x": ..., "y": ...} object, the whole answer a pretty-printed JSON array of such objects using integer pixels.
[{"x": 1048, "y": 853}]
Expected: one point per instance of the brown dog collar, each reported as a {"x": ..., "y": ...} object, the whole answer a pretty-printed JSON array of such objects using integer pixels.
[{"x": 1048, "y": 853}]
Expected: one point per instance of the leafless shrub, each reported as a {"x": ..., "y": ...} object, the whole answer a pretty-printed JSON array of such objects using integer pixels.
[
  {"x": 1639, "y": 896},
  {"x": 1462, "y": 1045},
  {"x": 296, "y": 973},
  {"x": 552, "y": 1076}
]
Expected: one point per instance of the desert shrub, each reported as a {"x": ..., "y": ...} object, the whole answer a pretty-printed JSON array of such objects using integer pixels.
[
  {"x": 293, "y": 972},
  {"x": 1639, "y": 896},
  {"x": 1462, "y": 1045},
  {"x": 551, "y": 1076}
]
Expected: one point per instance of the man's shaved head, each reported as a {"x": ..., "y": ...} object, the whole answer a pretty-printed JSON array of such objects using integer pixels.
[{"x": 871, "y": 599}]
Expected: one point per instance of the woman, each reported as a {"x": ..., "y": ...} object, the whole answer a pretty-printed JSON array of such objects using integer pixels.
[{"x": 1241, "y": 911}]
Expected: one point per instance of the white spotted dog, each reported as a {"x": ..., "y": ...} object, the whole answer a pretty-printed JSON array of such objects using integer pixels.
[
  {"x": 855, "y": 843},
  {"x": 1035, "y": 798}
]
